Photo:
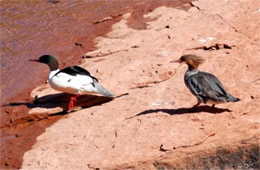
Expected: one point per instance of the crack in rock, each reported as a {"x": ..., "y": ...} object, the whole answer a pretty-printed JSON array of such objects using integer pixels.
[
  {"x": 32, "y": 118},
  {"x": 213, "y": 47},
  {"x": 162, "y": 149},
  {"x": 195, "y": 6},
  {"x": 101, "y": 54},
  {"x": 234, "y": 28},
  {"x": 107, "y": 19},
  {"x": 149, "y": 83}
]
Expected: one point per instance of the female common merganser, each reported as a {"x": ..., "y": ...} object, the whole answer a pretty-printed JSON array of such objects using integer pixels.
[
  {"x": 74, "y": 80},
  {"x": 205, "y": 86}
]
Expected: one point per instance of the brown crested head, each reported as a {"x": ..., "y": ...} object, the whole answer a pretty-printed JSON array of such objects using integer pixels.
[{"x": 191, "y": 60}]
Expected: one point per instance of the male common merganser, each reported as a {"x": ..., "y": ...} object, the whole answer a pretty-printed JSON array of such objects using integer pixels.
[
  {"x": 73, "y": 80},
  {"x": 205, "y": 86}
]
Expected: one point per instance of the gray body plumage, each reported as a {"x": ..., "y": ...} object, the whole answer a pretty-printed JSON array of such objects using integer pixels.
[{"x": 206, "y": 87}]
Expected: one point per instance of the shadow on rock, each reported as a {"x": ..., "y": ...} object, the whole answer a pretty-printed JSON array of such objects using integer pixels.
[
  {"x": 20, "y": 129},
  {"x": 183, "y": 110},
  {"x": 62, "y": 100}
]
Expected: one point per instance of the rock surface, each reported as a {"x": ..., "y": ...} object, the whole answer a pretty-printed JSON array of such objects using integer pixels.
[{"x": 149, "y": 126}]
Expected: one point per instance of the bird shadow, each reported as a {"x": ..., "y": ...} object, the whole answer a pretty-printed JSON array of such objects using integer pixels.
[
  {"x": 184, "y": 110},
  {"x": 62, "y": 100}
]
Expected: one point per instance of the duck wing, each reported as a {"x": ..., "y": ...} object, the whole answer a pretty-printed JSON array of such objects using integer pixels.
[
  {"x": 76, "y": 70},
  {"x": 206, "y": 86}
]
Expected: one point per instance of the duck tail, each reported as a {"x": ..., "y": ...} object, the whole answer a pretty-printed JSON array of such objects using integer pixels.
[
  {"x": 100, "y": 89},
  {"x": 231, "y": 98}
]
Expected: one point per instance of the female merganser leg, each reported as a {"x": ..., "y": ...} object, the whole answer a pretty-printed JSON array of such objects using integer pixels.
[
  {"x": 72, "y": 99},
  {"x": 196, "y": 104}
]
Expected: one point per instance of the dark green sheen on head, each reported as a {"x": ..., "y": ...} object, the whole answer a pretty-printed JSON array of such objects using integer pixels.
[
  {"x": 50, "y": 61},
  {"x": 46, "y": 59}
]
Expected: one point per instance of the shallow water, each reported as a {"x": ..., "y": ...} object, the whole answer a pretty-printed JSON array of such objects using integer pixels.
[{"x": 31, "y": 28}]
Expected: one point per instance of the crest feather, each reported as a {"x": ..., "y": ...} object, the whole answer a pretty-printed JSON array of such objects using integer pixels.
[{"x": 195, "y": 59}]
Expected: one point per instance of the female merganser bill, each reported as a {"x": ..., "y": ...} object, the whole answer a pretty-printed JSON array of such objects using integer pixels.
[
  {"x": 73, "y": 80},
  {"x": 205, "y": 86}
]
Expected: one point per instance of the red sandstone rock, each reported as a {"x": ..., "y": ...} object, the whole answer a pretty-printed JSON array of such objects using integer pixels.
[{"x": 144, "y": 129}]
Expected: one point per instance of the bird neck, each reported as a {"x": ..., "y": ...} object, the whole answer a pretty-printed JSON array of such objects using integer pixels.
[
  {"x": 190, "y": 73},
  {"x": 52, "y": 73},
  {"x": 192, "y": 67},
  {"x": 53, "y": 64}
]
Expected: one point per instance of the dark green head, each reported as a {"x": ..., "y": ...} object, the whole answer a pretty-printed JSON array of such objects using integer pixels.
[{"x": 49, "y": 60}]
